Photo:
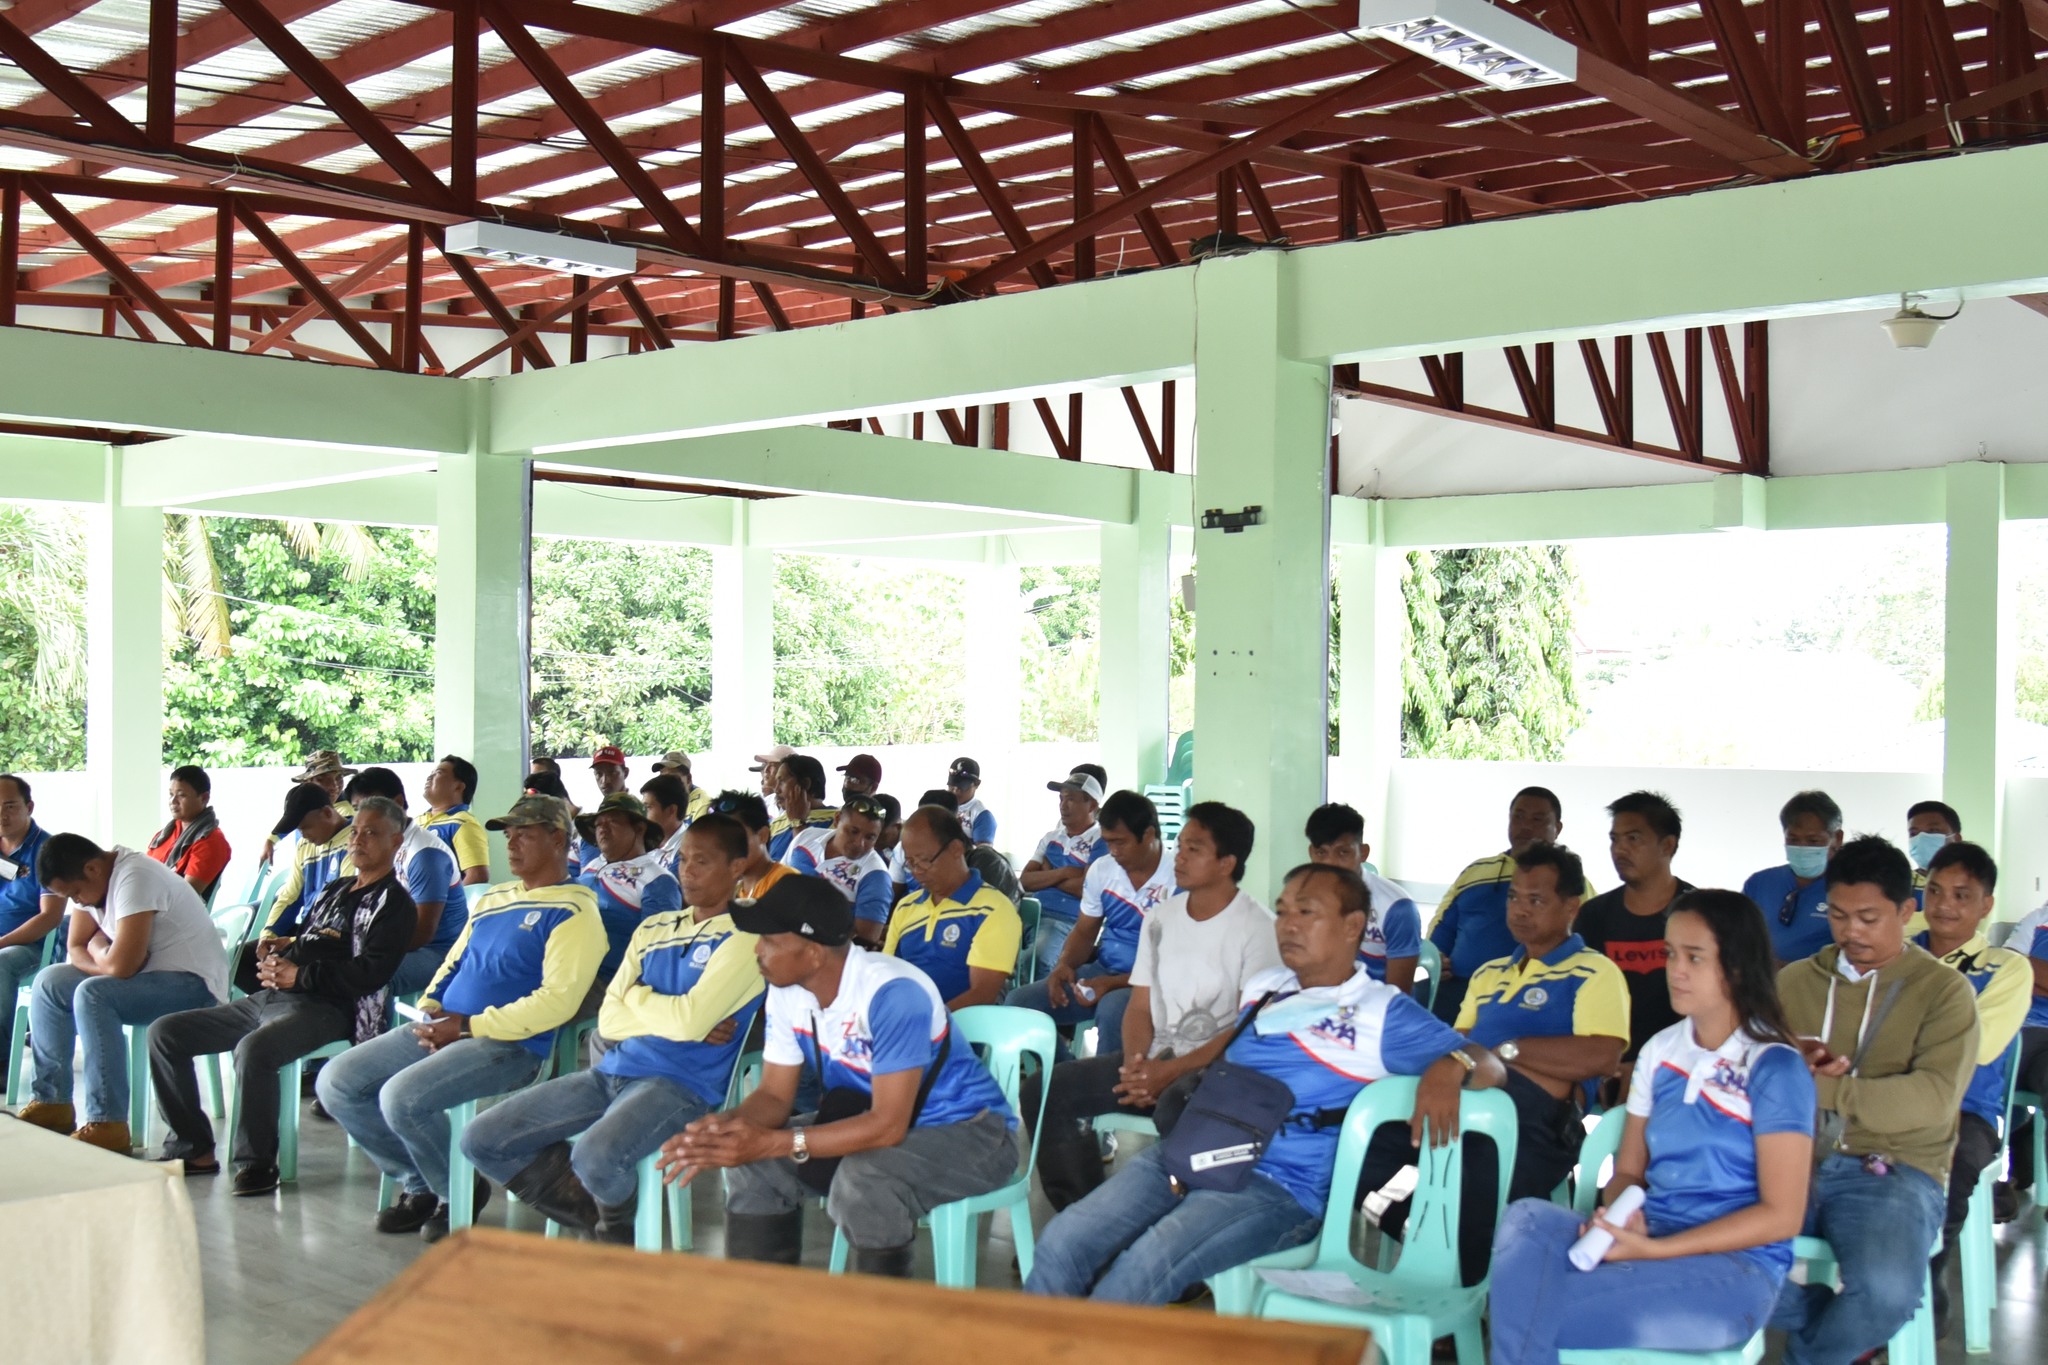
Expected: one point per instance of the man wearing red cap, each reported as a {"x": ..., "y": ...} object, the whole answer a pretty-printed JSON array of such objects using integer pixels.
[
  {"x": 863, "y": 777},
  {"x": 608, "y": 766}
]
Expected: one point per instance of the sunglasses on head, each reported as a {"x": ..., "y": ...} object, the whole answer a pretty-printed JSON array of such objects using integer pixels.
[{"x": 864, "y": 806}]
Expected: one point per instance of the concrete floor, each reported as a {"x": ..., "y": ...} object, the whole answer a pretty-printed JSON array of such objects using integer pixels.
[{"x": 281, "y": 1271}]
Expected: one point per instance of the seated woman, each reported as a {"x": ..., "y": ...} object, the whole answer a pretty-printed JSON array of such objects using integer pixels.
[
  {"x": 1327, "y": 1031},
  {"x": 192, "y": 844},
  {"x": 1720, "y": 1135}
]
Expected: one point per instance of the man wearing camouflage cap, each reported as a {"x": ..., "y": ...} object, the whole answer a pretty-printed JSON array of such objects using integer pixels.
[
  {"x": 521, "y": 969},
  {"x": 631, "y": 882}
]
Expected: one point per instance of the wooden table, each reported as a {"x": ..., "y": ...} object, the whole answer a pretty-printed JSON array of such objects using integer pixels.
[
  {"x": 509, "y": 1298},
  {"x": 99, "y": 1260}
]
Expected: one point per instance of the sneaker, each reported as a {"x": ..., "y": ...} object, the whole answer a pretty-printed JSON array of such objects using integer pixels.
[
  {"x": 409, "y": 1213},
  {"x": 254, "y": 1180},
  {"x": 436, "y": 1227},
  {"x": 58, "y": 1118},
  {"x": 112, "y": 1137}
]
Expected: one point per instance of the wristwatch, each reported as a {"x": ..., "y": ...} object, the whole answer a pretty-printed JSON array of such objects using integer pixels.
[
  {"x": 1508, "y": 1051},
  {"x": 799, "y": 1146}
]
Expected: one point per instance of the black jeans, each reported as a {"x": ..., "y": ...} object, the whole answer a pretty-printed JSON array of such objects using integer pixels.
[
  {"x": 266, "y": 1031},
  {"x": 1069, "y": 1163},
  {"x": 1547, "y": 1144},
  {"x": 1976, "y": 1148}
]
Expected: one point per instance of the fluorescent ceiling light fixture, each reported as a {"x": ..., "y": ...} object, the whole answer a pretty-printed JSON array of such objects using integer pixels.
[
  {"x": 1475, "y": 38},
  {"x": 541, "y": 250}
]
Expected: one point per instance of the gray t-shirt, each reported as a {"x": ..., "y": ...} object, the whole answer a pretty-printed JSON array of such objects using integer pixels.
[
  {"x": 1197, "y": 969},
  {"x": 183, "y": 938}
]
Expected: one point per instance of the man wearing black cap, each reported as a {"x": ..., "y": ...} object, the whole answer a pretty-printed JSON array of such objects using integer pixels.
[
  {"x": 963, "y": 779},
  {"x": 910, "y": 1116},
  {"x": 322, "y": 827}
]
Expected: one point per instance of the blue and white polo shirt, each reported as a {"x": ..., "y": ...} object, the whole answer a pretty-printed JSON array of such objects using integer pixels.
[
  {"x": 628, "y": 891},
  {"x": 2030, "y": 938},
  {"x": 1058, "y": 849},
  {"x": 978, "y": 821},
  {"x": 1109, "y": 896},
  {"x": 1394, "y": 929},
  {"x": 1705, "y": 1110},
  {"x": 426, "y": 864},
  {"x": 863, "y": 880}
]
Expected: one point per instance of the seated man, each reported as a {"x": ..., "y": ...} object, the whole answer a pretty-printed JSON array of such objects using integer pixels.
[
  {"x": 448, "y": 790},
  {"x": 1332, "y": 1032},
  {"x": 631, "y": 883},
  {"x": 844, "y": 855},
  {"x": 426, "y": 867},
  {"x": 1627, "y": 923},
  {"x": 1058, "y": 867},
  {"x": 1930, "y": 827},
  {"x": 1793, "y": 896},
  {"x": 963, "y": 779},
  {"x": 521, "y": 969},
  {"x": 326, "y": 985},
  {"x": 582, "y": 853},
  {"x": 322, "y": 827},
  {"x": 1393, "y": 934},
  {"x": 1116, "y": 895},
  {"x": 2029, "y": 937},
  {"x": 608, "y": 769},
  {"x": 994, "y": 868},
  {"x": 1960, "y": 881},
  {"x": 935, "y": 1126},
  {"x": 27, "y": 912},
  {"x": 1471, "y": 926},
  {"x": 862, "y": 776},
  {"x": 1891, "y": 1036},
  {"x": 1556, "y": 1013},
  {"x": 696, "y": 801},
  {"x": 761, "y": 871},
  {"x": 800, "y": 791},
  {"x": 668, "y": 801},
  {"x": 142, "y": 946},
  {"x": 1197, "y": 954},
  {"x": 891, "y": 836},
  {"x": 960, "y": 933},
  {"x": 324, "y": 769},
  {"x": 685, "y": 973}
]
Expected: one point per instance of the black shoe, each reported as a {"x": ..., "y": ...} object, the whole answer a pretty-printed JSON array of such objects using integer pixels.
[
  {"x": 409, "y": 1213},
  {"x": 2005, "y": 1202},
  {"x": 615, "y": 1224},
  {"x": 254, "y": 1180},
  {"x": 548, "y": 1185},
  {"x": 893, "y": 1262},
  {"x": 436, "y": 1227},
  {"x": 320, "y": 1110},
  {"x": 777, "y": 1238}
]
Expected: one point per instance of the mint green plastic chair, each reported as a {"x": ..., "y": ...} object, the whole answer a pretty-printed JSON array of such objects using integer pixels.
[
  {"x": 1419, "y": 1300},
  {"x": 1600, "y": 1148},
  {"x": 1005, "y": 1035},
  {"x": 1180, "y": 769},
  {"x": 1030, "y": 912},
  {"x": 2027, "y": 1099},
  {"x": 1977, "y": 1249},
  {"x": 474, "y": 892},
  {"x": 17, "y": 1074},
  {"x": 1124, "y": 1121},
  {"x": 1430, "y": 963},
  {"x": 1912, "y": 1344}
]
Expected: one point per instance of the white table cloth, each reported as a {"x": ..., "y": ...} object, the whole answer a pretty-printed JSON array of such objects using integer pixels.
[{"x": 99, "y": 1259}]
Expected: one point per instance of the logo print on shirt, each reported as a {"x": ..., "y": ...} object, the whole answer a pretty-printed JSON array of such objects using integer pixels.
[
  {"x": 950, "y": 936},
  {"x": 532, "y": 918},
  {"x": 1338, "y": 1028},
  {"x": 701, "y": 954},
  {"x": 1535, "y": 998}
]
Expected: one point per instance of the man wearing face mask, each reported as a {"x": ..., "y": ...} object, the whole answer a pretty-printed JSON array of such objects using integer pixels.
[
  {"x": 1792, "y": 895},
  {"x": 1931, "y": 826}
]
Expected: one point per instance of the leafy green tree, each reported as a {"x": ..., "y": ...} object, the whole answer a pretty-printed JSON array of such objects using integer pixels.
[
  {"x": 1062, "y": 651},
  {"x": 867, "y": 653},
  {"x": 1487, "y": 671},
  {"x": 42, "y": 638}
]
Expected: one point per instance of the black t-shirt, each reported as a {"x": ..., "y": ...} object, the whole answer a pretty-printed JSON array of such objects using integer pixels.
[{"x": 1634, "y": 943}]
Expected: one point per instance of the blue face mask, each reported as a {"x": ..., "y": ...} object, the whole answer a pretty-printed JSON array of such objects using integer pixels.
[
  {"x": 1923, "y": 847},
  {"x": 1807, "y": 862}
]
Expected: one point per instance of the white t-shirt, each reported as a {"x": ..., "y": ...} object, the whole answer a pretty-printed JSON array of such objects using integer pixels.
[
  {"x": 182, "y": 939},
  {"x": 1197, "y": 970}
]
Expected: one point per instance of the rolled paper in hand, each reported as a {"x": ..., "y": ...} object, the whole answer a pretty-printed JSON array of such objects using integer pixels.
[{"x": 1591, "y": 1249}]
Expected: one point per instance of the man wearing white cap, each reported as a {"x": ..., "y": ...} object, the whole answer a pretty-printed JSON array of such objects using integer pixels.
[
  {"x": 769, "y": 765},
  {"x": 1059, "y": 867},
  {"x": 675, "y": 763}
]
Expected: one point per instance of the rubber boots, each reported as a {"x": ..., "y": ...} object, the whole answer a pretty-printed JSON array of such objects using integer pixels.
[
  {"x": 774, "y": 1237},
  {"x": 549, "y": 1186}
]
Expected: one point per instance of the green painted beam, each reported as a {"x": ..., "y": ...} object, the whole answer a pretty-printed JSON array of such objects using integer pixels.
[
  {"x": 1978, "y": 652},
  {"x": 1136, "y": 672},
  {"x": 1905, "y": 497},
  {"x": 1133, "y": 329},
  {"x": 71, "y": 378},
  {"x": 408, "y": 499},
  {"x": 1577, "y": 514},
  {"x": 880, "y": 468},
  {"x": 1820, "y": 244},
  {"x": 124, "y": 704},
  {"x": 630, "y": 514},
  {"x": 816, "y": 523},
  {"x": 192, "y": 469},
  {"x": 742, "y": 647},
  {"x": 46, "y": 469}
]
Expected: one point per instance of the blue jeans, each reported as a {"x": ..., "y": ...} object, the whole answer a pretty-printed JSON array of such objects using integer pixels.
[
  {"x": 17, "y": 967},
  {"x": 1133, "y": 1240},
  {"x": 1542, "y": 1305},
  {"x": 621, "y": 1118},
  {"x": 1051, "y": 940},
  {"x": 1881, "y": 1228},
  {"x": 393, "y": 1097},
  {"x": 416, "y": 971},
  {"x": 68, "y": 1006}
]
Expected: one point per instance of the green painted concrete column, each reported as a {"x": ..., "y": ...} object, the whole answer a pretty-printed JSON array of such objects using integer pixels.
[
  {"x": 742, "y": 652},
  {"x": 1262, "y": 623},
  {"x": 1369, "y": 693},
  {"x": 1136, "y": 668},
  {"x": 482, "y": 604},
  {"x": 124, "y": 664},
  {"x": 993, "y": 677},
  {"x": 1978, "y": 651}
]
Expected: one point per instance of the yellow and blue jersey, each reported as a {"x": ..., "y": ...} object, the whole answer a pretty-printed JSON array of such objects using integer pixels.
[
  {"x": 1328, "y": 1043},
  {"x": 1703, "y": 1112},
  {"x": 1796, "y": 915},
  {"x": 2004, "y": 983},
  {"x": 782, "y": 830},
  {"x": 313, "y": 866},
  {"x": 1471, "y": 927},
  {"x": 680, "y": 978},
  {"x": 1057, "y": 850},
  {"x": 977, "y": 926},
  {"x": 523, "y": 963},
  {"x": 462, "y": 832},
  {"x": 627, "y": 892},
  {"x": 2030, "y": 937},
  {"x": 887, "y": 1017},
  {"x": 1569, "y": 990}
]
